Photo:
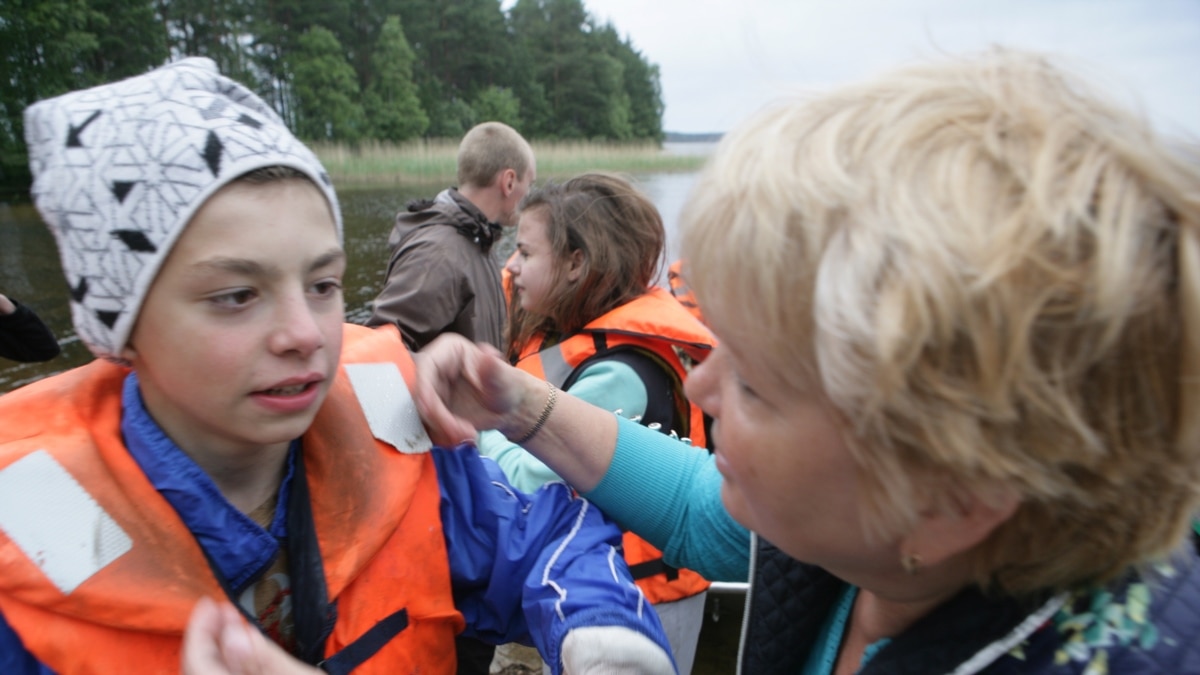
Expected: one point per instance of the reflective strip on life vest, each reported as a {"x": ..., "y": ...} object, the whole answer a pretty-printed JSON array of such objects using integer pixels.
[
  {"x": 52, "y": 519},
  {"x": 388, "y": 406},
  {"x": 555, "y": 368}
]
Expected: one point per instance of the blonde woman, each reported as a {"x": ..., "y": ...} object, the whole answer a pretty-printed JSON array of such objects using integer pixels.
[{"x": 956, "y": 391}]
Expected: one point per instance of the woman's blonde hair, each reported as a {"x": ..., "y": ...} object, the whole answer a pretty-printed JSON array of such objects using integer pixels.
[
  {"x": 620, "y": 234},
  {"x": 996, "y": 277}
]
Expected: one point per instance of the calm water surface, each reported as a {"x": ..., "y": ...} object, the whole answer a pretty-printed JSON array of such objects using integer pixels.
[{"x": 30, "y": 270}]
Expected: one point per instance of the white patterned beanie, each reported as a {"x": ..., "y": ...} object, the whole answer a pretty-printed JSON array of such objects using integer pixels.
[{"x": 119, "y": 170}]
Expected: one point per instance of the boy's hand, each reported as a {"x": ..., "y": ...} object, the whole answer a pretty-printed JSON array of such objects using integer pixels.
[
  {"x": 219, "y": 642},
  {"x": 613, "y": 650}
]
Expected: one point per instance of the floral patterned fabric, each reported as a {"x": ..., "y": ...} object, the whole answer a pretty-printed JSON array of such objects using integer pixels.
[{"x": 1147, "y": 624}]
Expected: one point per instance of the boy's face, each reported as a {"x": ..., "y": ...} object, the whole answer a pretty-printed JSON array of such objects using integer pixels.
[{"x": 239, "y": 337}]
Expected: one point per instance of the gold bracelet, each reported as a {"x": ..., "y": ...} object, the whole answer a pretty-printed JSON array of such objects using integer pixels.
[{"x": 541, "y": 420}]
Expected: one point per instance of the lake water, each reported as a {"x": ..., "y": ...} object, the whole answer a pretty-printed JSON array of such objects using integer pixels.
[{"x": 30, "y": 270}]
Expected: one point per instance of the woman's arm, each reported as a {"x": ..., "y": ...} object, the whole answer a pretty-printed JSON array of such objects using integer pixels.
[
  {"x": 662, "y": 489},
  {"x": 669, "y": 493}
]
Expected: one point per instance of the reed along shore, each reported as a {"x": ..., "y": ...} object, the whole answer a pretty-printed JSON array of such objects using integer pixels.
[{"x": 429, "y": 161}]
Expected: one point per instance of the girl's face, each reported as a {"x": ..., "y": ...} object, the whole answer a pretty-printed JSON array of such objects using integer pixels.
[
  {"x": 239, "y": 337},
  {"x": 534, "y": 267}
]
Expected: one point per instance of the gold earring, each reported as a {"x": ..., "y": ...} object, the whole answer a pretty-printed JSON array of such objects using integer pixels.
[{"x": 911, "y": 562}]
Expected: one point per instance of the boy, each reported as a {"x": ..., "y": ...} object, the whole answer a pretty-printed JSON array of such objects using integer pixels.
[{"x": 238, "y": 440}]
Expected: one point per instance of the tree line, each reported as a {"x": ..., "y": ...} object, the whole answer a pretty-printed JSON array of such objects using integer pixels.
[{"x": 346, "y": 70}]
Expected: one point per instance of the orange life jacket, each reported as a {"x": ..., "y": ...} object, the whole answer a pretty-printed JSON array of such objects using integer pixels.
[
  {"x": 681, "y": 290},
  {"x": 113, "y": 594},
  {"x": 655, "y": 324}
]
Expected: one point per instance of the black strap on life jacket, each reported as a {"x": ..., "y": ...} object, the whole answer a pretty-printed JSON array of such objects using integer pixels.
[
  {"x": 649, "y": 568},
  {"x": 665, "y": 406},
  {"x": 354, "y": 654},
  {"x": 665, "y": 403},
  {"x": 313, "y": 615}
]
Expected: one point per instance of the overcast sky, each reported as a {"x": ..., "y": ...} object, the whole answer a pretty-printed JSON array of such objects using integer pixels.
[{"x": 721, "y": 60}]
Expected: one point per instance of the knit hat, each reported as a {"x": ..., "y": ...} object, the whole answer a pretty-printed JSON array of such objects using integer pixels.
[{"x": 119, "y": 170}]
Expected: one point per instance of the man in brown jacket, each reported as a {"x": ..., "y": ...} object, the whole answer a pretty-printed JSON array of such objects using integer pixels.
[{"x": 441, "y": 277}]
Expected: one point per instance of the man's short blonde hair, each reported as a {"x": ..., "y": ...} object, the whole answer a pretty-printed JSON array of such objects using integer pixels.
[
  {"x": 489, "y": 148},
  {"x": 996, "y": 278}
]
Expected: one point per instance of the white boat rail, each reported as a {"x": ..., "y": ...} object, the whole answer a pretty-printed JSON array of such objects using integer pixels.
[{"x": 729, "y": 587}]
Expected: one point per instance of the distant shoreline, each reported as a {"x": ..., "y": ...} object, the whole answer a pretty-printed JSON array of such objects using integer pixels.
[
  {"x": 433, "y": 161},
  {"x": 679, "y": 137}
]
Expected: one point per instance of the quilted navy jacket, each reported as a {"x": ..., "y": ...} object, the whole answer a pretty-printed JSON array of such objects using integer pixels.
[{"x": 1148, "y": 623}]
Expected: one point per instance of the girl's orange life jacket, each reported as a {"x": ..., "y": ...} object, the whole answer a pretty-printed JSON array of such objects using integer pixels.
[
  {"x": 657, "y": 325},
  {"x": 118, "y": 599},
  {"x": 681, "y": 290}
]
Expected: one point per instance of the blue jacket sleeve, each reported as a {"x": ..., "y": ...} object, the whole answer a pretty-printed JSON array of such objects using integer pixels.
[
  {"x": 14, "y": 658},
  {"x": 669, "y": 493},
  {"x": 531, "y": 567}
]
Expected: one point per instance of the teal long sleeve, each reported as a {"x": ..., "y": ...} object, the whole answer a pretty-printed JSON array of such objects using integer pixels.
[{"x": 669, "y": 493}]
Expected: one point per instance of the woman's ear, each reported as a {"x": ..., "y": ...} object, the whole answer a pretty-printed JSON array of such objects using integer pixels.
[
  {"x": 958, "y": 524},
  {"x": 576, "y": 265}
]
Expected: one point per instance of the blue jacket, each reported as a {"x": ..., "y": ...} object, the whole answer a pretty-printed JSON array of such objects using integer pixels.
[{"x": 525, "y": 568}]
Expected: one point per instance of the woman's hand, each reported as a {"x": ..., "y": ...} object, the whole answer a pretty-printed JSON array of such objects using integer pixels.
[
  {"x": 219, "y": 642},
  {"x": 463, "y": 387}
]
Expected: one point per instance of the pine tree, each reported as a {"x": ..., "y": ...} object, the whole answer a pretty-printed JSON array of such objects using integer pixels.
[
  {"x": 41, "y": 43},
  {"x": 545, "y": 67},
  {"x": 392, "y": 107},
  {"x": 498, "y": 104},
  {"x": 326, "y": 89}
]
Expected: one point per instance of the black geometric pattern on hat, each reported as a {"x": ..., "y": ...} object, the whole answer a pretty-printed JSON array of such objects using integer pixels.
[
  {"x": 213, "y": 111},
  {"x": 135, "y": 240},
  {"x": 109, "y": 318},
  {"x": 212, "y": 153},
  {"x": 73, "y": 140},
  {"x": 121, "y": 188},
  {"x": 79, "y": 291}
]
